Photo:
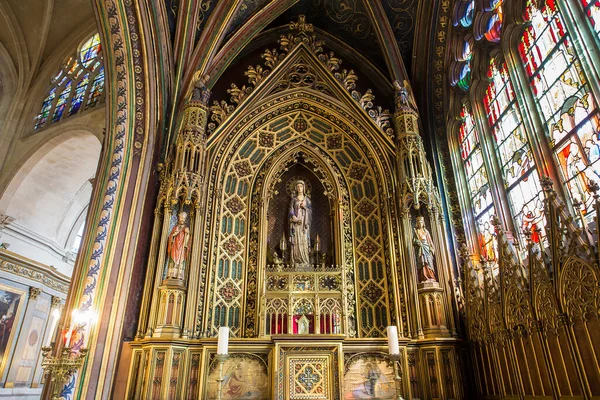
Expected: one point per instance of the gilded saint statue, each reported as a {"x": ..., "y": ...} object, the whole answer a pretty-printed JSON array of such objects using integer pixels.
[
  {"x": 300, "y": 218},
  {"x": 425, "y": 251},
  {"x": 178, "y": 247}
]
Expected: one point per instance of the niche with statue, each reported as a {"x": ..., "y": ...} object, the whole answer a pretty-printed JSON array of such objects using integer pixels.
[
  {"x": 304, "y": 284},
  {"x": 299, "y": 220}
]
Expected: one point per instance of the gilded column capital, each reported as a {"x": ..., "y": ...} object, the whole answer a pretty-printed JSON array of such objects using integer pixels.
[
  {"x": 55, "y": 302},
  {"x": 34, "y": 292}
]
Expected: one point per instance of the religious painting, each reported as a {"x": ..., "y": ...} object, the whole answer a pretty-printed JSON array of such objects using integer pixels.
[
  {"x": 245, "y": 376},
  {"x": 369, "y": 377},
  {"x": 9, "y": 308}
]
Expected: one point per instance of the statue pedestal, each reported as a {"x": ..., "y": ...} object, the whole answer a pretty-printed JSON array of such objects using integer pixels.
[
  {"x": 433, "y": 312},
  {"x": 428, "y": 285}
]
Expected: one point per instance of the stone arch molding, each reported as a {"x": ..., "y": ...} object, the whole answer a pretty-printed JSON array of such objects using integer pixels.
[{"x": 361, "y": 155}]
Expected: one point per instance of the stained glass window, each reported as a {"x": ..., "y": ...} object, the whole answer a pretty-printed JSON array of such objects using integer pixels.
[
  {"x": 463, "y": 13},
  {"x": 479, "y": 188},
  {"x": 489, "y": 23},
  {"x": 514, "y": 153},
  {"x": 79, "y": 93},
  {"x": 460, "y": 70},
  {"x": 71, "y": 85},
  {"x": 592, "y": 10},
  {"x": 564, "y": 100},
  {"x": 46, "y": 106},
  {"x": 96, "y": 90},
  {"x": 61, "y": 103}
]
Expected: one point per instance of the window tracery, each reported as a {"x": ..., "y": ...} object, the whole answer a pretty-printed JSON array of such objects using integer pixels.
[{"x": 79, "y": 85}]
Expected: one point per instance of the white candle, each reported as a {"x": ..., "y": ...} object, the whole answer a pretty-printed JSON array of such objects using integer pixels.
[
  {"x": 392, "y": 335},
  {"x": 69, "y": 334},
  {"x": 222, "y": 348},
  {"x": 52, "y": 327}
]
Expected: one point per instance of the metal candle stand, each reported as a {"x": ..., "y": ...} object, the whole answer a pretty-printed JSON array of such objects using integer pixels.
[
  {"x": 221, "y": 358},
  {"x": 396, "y": 359},
  {"x": 60, "y": 369}
]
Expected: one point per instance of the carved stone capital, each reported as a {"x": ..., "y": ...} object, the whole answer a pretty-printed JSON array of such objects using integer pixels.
[
  {"x": 34, "y": 292},
  {"x": 5, "y": 220},
  {"x": 55, "y": 302}
]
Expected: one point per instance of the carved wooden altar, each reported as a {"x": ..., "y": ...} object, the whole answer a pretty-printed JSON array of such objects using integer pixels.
[{"x": 298, "y": 331}]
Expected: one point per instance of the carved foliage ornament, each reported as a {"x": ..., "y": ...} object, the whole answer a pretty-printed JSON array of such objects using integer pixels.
[{"x": 300, "y": 74}]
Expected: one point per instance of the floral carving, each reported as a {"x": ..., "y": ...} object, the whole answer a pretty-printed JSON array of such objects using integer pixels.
[
  {"x": 334, "y": 142},
  {"x": 369, "y": 248},
  {"x": 300, "y": 125},
  {"x": 357, "y": 172},
  {"x": 243, "y": 168},
  {"x": 300, "y": 74},
  {"x": 232, "y": 247},
  {"x": 365, "y": 208},
  {"x": 372, "y": 292},
  {"x": 235, "y": 205},
  {"x": 266, "y": 139},
  {"x": 228, "y": 291}
]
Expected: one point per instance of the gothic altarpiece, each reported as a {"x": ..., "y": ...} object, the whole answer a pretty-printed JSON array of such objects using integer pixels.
[{"x": 305, "y": 218}]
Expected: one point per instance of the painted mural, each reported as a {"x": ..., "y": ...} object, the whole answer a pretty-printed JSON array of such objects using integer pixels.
[
  {"x": 369, "y": 377},
  {"x": 245, "y": 377}
]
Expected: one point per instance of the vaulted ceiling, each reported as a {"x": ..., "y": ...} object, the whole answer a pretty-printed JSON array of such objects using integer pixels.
[
  {"x": 347, "y": 20},
  {"x": 384, "y": 40}
]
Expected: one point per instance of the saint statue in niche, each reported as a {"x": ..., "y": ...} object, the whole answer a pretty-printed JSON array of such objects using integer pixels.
[
  {"x": 178, "y": 247},
  {"x": 303, "y": 325},
  {"x": 300, "y": 218},
  {"x": 425, "y": 251}
]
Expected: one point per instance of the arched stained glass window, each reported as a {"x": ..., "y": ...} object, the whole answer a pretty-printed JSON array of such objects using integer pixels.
[
  {"x": 564, "y": 100},
  {"x": 478, "y": 185},
  {"x": 592, "y": 10},
  {"x": 79, "y": 85},
  {"x": 514, "y": 153}
]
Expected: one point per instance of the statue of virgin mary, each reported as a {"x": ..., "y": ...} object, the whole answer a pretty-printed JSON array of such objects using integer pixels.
[{"x": 300, "y": 218}]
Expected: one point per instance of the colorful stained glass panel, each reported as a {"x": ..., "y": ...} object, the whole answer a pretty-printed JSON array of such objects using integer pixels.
[
  {"x": 78, "y": 95},
  {"x": 90, "y": 50},
  {"x": 61, "y": 102},
  {"x": 512, "y": 146},
  {"x": 478, "y": 184},
  {"x": 46, "y": 106},
  {"x": 592, "y": 10},
  {"x": 564, "y": 99}
]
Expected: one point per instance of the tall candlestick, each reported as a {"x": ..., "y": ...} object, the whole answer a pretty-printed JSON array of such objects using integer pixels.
[
  {"x": 223, "y": 346},
  {"x": 317, "y": 244},
  {"x": 392, "y": 336}
]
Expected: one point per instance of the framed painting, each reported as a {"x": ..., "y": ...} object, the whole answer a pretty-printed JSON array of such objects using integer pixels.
[{"x": 10, "y": 307}]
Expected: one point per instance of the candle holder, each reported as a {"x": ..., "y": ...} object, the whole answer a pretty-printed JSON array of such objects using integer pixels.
[
  {"x": 61, "y": 368},
  {"x": 221, "y": 358},
  {"x": 397, "y": 359}
]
